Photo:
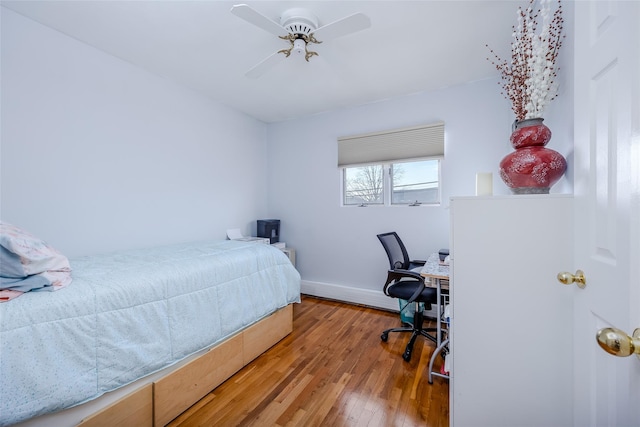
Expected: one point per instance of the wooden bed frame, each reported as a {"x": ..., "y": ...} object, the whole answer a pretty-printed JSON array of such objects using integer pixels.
[{"x": 158, "y": 402}]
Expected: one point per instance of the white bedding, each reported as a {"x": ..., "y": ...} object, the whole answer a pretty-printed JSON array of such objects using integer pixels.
[{"x": 126, "y": 315}]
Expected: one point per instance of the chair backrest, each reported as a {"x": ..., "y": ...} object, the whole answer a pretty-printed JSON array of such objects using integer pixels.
[{"x": 397, "y": 253}]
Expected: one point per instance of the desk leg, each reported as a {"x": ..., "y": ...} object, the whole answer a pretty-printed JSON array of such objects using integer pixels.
[
  {"x": 435, "y": 354},
  {"x": 440, "y": 344},
  {"x": 439, "y": 309}
]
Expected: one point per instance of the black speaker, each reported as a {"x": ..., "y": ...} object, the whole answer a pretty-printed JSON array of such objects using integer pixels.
[{"x": 269, "y": 228}]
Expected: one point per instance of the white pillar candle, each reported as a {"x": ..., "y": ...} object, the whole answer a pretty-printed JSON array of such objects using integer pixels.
[{"x": 484, "y": 184}]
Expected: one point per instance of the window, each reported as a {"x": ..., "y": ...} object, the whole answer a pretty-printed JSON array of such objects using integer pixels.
[
  {"x": 413, "y": 182},
  {"x": 364, "y": 185},
  {"x": 396, "y": 167}
]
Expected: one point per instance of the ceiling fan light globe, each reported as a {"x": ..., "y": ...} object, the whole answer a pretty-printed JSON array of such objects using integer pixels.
[{"x": 299, "y": 47}]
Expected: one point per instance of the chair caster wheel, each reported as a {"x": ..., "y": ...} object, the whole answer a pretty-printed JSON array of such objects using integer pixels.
[
  {"x": 407, "y": 356},
  {"x": 384, "y": 337}
]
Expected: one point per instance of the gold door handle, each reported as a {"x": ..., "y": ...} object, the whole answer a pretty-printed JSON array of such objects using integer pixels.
[
  {"x": 616, "y": 342},
  {"x": 568, "y": 278}
]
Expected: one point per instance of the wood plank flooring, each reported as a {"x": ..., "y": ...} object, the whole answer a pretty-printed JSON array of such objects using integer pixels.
[{"x": 332, "y": 370}]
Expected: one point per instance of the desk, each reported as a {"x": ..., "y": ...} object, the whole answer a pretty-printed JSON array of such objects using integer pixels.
[{"x": 436, "y": 272}]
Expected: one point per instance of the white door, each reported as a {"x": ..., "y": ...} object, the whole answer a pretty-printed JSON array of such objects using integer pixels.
[{"x": 607, "y": 208}]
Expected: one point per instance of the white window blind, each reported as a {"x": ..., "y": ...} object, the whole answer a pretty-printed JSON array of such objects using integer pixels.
[{"x": 397, "y": 144}]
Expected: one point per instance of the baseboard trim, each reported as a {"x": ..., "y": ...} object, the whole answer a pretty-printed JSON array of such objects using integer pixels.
[
  {"x": 368, "y": 297},
  {"x": 348, "y": 294}
]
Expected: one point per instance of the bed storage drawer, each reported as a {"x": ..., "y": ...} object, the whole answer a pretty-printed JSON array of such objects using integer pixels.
[
  {"x": 135, "y": 409},
  {"x": 176, "y": 392},
  {"x": 261, "y": 336}
]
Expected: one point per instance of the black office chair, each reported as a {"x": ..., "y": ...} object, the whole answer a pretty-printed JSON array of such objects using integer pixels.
[{"x": 405, "y": 282}]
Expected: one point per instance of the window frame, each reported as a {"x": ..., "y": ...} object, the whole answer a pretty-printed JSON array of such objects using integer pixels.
[{"x": 387, "y": 190}]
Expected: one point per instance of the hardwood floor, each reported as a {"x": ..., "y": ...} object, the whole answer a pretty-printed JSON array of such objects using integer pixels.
[{"x": 332, "y": 370}]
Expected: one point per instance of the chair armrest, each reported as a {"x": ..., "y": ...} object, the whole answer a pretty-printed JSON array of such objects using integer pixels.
[
  {"x": 418, "y": 262},
  {"x": 399, "y": 274}
]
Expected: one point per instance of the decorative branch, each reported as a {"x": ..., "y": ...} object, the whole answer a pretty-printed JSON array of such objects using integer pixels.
[{"x": 529, "y": 81}]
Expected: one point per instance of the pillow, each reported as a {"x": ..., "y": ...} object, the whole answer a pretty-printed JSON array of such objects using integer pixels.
[{"x": 24, "y": 256}]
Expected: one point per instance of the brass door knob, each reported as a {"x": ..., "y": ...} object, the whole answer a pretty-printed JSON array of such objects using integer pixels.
[
  {"x": 616, "y": 342},
  {"x": 568, "y": 278}
]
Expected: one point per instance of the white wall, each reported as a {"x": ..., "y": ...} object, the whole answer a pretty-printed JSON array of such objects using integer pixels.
[
  {"x": 338, "y": 254},
  {"x": 99, "y": 155}
]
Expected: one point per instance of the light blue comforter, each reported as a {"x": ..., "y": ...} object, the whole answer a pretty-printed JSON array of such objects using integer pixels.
[{"x": 127, "y": 315}]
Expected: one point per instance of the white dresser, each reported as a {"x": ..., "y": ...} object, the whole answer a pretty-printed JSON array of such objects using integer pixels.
[{"x": 511, "y": 339}]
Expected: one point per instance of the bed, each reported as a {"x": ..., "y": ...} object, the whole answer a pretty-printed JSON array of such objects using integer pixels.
[{"x": 154, "y": 322}]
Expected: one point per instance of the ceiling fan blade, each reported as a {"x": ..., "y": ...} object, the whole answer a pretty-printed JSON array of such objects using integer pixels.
[
  {"x": 259, "y": 20},
  {"x": 342, "y": 27},
  {"x": 265, "y": 65}
]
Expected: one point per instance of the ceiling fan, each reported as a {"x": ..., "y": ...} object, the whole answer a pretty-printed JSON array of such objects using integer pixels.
[{"x": 299, "y": 27}]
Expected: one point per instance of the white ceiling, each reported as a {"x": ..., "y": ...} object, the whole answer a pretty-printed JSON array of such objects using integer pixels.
[{"x": 412, "y": 46}]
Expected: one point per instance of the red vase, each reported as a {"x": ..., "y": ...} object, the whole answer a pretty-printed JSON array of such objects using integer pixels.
[{"x": 532, "y": 168}]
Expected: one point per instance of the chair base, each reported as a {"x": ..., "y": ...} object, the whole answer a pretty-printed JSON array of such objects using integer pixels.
[{"x": 415, "y": 330}]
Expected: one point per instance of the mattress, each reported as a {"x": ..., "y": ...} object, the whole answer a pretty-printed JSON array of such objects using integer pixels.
[{"x": 129, "y": 314}]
